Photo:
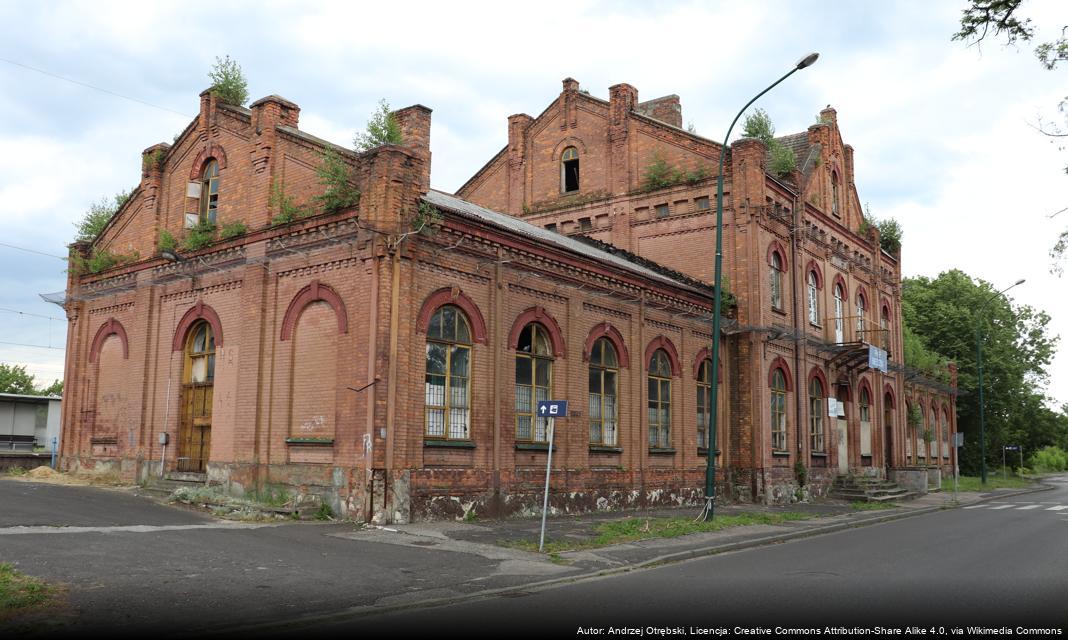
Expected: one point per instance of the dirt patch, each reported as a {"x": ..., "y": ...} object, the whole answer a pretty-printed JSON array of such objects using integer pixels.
[{"x": 49, "y": 475}]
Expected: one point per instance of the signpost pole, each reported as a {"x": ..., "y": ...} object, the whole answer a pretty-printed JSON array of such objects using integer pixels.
[
  {"x": 1002, "y": 462},
  {"x": 1021, "y": 460},
  {"x": 545, "y": 502}
]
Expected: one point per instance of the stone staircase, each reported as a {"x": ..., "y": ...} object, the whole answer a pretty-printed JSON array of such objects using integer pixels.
[
  {"x": 162, "y": 488},
  {"x": 865, "y": 489}
]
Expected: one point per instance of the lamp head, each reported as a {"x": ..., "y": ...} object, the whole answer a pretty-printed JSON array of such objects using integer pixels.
[
  {"x": 808, "y": 60},
  {"x": 1020, "y": 281},
  {"x": 169, "y": 256}
]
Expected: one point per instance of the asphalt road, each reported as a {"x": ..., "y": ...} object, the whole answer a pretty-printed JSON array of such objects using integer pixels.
[{"x": 993, "y": 564}]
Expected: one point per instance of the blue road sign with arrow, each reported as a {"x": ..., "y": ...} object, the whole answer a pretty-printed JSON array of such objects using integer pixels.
[{"x": 552, "y": 408}]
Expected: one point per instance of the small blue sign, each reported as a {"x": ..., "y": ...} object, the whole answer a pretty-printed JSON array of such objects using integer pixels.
[
  {"x": 876, "y": 358},
  {"x": 552, "y": 408},
  {"x": 1012, "y": 447}
]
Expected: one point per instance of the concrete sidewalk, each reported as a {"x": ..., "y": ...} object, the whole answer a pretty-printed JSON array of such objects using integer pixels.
[{"x": 128, "y": 563}]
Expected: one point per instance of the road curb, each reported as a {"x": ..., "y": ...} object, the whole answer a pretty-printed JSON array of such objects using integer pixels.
[
  {"x": 375, "y": 610},
  {"x": 671, "y": 558}
]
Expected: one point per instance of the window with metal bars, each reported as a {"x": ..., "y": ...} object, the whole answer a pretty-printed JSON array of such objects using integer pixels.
[
  {"x": 815, "y": 417},
  {"x": 704, "y": 403},
  {"x": 778, "y": 411},
  {"x": 533, "y": 380},
  {"x": 604, "y": 394},
  {"x": 659, "y": 400},
  {"x": 447, "y": 388}
]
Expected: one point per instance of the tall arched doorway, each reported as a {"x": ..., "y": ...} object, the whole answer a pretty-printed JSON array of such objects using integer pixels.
[
  {"x": 888, "y": 429},
  {"x": 198, "y": 379}
]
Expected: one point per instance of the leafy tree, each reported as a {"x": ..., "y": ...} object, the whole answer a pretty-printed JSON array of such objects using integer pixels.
[
  {"x": 382, "y": 128},
  {"x": 759, "y": 125},
  {"x": 54, "y": 389},
  {"x": 15, "y": 379},
  {"x": 336, "y": 175},
  {"x": 1017, "y": 349},
  {"x": 98, "y": 215},
  {"x": 228, "y": 83},
  {"x": 1000, "y": 16}
]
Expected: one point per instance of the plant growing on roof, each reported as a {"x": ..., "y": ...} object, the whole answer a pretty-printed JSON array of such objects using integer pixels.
[
  {"x": 167, "y": 241},
  {"x": 336, "y": 175},
  {"x": 228, "y": 83},
  {"x": 200, "y": 236},
  {"x": 781, "y": 161},
  {"x": 233, "y": 229},
  {"x": 382, "y": 128},
  {"x": 98, "y": 216},
  {"x": 288, "y": 209}
]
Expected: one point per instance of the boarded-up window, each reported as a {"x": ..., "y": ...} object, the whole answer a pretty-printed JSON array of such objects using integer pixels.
[
  {"x": 111, "y": 384},
  {"x": 314, "y": 394}
]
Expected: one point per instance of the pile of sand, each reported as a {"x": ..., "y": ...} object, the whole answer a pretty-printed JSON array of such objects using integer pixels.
[{"x": 43, "y": 472}]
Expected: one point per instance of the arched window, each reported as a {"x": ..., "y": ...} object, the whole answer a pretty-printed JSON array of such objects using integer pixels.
[
  {"x": 932, "y": 433},
  {"x": 448, "y": 375},
  {"x": 569, "y": 170},
  {"x": 533, "y": 377},
  {"x": 198, "y": 379},
  {"x": 778, "y": 410},
  {"x": 604, "y": 394},
  {"x": 813, "y": 299},
  {"x": 834, "y": 193},
  {"x": 884, "y": 324},
  {"x": 861, "y": 310},
  {"x": 659, "y": 400},
  {"x": 815, "y": 416},
  {"x": 865, "y": 422},
  {"x": 209, "y": 192},
  {"x": 776, "y": 280},
  {"x": 839, "y": 309},
  {"x": 704, "y": 403}
]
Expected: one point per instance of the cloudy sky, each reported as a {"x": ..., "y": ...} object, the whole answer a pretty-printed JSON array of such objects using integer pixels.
[{"x": 943, "y": 132}]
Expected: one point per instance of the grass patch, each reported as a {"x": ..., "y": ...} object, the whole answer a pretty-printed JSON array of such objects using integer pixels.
[
  {"x": 872, "y": 506},
  {"x": 632, "y": 529},
  {"x": 971, "y": 483},
  {"x": 20, "y": 593}
]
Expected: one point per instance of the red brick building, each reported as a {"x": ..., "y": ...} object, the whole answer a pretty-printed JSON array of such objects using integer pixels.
[{"x": 386, "y": 357}]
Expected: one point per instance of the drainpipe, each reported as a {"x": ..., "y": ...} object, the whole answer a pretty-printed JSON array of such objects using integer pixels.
[
  {"x": 391, "y": 383},
  {"x": 799, "y": 341}
]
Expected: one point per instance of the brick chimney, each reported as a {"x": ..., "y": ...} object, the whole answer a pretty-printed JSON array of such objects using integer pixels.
[
  {"x": 622, "y": 98},
  {"x": 518, "y": 125},
  {"x": 272, "y": 110},
  {"x": 667, "y": 109},
  {"x": 414, "y": 124}
]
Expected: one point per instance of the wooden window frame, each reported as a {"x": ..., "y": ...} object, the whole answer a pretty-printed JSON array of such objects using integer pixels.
[
  {"x": 532, "y": 359},
  {"x": 780, "y": 426},
  {"x": 660, "y": 432},
  {"x": 450, "y": 346},
  {"x": 600, "y": 347}
]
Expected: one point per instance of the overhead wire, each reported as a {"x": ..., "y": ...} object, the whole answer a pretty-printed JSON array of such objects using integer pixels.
[{"x": 93, "y": 87}]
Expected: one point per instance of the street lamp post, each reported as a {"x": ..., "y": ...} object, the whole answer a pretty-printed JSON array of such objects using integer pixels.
[
  {"x": 710, "y": 471},
  {"x": 979, "y": 360}
]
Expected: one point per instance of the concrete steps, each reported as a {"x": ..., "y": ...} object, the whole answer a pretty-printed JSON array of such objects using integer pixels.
[
  {"x": 862, "y": 489},
  {"x": 163, "y": 487}
]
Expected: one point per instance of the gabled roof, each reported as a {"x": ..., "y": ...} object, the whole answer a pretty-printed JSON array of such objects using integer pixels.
[{"x": 586, "y": 247}]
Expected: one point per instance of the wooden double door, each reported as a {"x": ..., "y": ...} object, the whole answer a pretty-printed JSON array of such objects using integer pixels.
[{"x": 198, "y": 382}]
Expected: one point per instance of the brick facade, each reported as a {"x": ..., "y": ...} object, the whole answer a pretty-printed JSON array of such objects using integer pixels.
[{"x": 321, "y": 324}]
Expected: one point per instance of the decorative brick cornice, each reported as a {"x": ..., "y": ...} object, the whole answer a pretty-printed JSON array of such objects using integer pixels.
[
  {"x": 453, "y": 296},
  {"x": 314, "y": 292},
  {"x": 542, "y": 317},
  {"x": 109, "y": 328},
  {"x": 199, "y": 311},
  {"x": 661, "y": 342},
  {"x": 610, "y": 333},
  {"x": 780, "y": 363},
  {"x": 209, "y": 152}
]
